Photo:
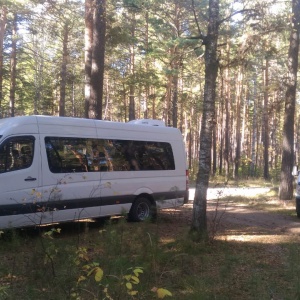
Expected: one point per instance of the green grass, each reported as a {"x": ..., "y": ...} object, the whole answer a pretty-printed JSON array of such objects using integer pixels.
[
  {"x": 35, "y": 267},
  {"x": 57, "y": 266},
  {"x": 265, "y": 202}
]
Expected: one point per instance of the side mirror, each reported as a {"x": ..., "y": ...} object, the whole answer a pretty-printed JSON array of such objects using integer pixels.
[{"x": 295, "y": 171}]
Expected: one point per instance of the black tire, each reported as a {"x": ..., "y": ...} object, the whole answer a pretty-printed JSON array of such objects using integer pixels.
[{"x": 141, "y": 210}]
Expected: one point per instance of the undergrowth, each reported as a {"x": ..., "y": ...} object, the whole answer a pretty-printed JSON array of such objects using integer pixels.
[{"x": 123, "y": 260}]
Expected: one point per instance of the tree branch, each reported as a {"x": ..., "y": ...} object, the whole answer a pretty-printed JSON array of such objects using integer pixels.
[
  {"x": 201, "y": 36},
  {"x": 237, "y": 12}
]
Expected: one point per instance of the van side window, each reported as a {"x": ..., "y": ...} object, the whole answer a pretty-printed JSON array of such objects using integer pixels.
[
  {"x": 16, "y": 154},
  {"x": 66, "y": 155},
  {"x": 141, "y": 155}
]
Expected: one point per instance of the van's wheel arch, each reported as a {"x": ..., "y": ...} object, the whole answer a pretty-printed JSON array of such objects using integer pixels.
[{"x": 142, "y": 208}]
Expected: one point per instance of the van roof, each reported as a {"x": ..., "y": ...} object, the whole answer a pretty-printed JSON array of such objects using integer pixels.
[{"x": 30, "y": 124}]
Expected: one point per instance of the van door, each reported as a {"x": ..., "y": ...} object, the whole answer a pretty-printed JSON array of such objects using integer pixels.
[
  {"x": 19, "y": 179},
  {"x": 70, "y": 181}
]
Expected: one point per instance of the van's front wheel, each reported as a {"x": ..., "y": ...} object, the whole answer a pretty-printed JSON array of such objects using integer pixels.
[{"x": 141, "y": 210}]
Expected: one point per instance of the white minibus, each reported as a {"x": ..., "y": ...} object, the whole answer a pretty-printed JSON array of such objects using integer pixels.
[{"x": 58, "y": 169}]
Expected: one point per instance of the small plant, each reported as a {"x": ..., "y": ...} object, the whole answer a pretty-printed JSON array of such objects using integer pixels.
[
  {"x": 219, "y": 213},
  {"x": 3, "y": 291},
  {"x": 126, "y": 283},
  {"x": 161, "y": 293},
  {"x": 50, "y": 250}
]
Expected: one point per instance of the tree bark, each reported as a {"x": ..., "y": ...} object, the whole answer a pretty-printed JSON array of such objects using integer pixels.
[
  {"x": 88, "y": 41},
  {"x": 221, "y": 127},
  {"x": 227, "y": 149},
  {"x": 286, "y": 178},
  {"x": 175, "y": 96},
  {"x": 97, "y": 73},
  {"x": 254, "y": 130},
  {"x": 132, "y": 72},
  {"x": 199, "y": 220},
  {"x": 3, "y": 13},
  {"x": 266, "y": 121},
  {"x": 13, "y": 67},
  {"x": 63, "y": 72},
  {"x": 239, "y": 88}
]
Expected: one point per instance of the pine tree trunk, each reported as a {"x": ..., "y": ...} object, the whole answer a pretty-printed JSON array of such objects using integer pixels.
[
  {"x": 38, "y": 80},
  {"x": 227, "y": 137},
  {"x": 63, "y": 72},
  {"x": 254, "y": 130},
  {"x": 286, "y": 180},
  {"x": 227, "y": 119},
  {"x": 147, "y": 87},
  {"x": 221, "y": 128},
  {"x": 97, "y": 72},
  {"x": 167, "y": 102},
  {"x": 3, "y": 13},
  {"x": 132, "y": 72},
  {"x": 214, "y": 151},
  {"x": 88, "y": 42},
  {"x": 13, "y": 67},
  {"x": 266, "y": 122},
  {"x": 175, "y": 97},
  {"x": 199, "y": 220},
  {"x": 239, "y": 88}
]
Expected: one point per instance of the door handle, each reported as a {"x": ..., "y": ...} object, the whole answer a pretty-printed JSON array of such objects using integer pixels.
[{"x": 29, "y": 178}]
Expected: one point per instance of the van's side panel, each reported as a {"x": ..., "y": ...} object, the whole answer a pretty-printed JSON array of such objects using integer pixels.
[
  {"x": 70, "y": 196},
  {"x": 166, "y": 187}
]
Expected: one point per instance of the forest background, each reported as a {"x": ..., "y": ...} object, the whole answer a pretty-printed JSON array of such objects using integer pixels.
[{"x": 154, "y": 67}]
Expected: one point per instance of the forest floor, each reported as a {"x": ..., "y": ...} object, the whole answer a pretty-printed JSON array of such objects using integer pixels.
[
  {"x": 242, "y": 214},
  {"x": 253, "y": 253}
]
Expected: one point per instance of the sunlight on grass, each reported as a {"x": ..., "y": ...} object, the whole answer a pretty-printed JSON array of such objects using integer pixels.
[
  {"x": 246, "y": 192},
  {"x": 165, "y": 240},
  {"x": 261, "y": 239}
]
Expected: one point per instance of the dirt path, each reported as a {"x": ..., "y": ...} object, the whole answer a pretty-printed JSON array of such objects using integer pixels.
[
  {"x": 276, "y": 223},
  {"x": 238, "y": 222}
]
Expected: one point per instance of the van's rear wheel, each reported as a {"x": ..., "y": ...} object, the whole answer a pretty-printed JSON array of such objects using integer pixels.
[{"x": 141, "y": 210}]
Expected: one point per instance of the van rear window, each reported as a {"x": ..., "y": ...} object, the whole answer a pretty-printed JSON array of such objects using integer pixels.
[{"x": 106, "y": 155}]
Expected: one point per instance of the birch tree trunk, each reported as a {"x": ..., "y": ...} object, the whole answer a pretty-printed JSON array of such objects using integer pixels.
[{"x": 199, "y": 220}]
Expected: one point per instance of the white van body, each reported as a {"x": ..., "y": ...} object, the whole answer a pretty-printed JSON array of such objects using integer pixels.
[{"x": 58, "y": 169}]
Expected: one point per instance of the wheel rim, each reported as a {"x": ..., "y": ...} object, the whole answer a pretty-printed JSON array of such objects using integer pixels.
[{"x": 143, "y": 211}]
